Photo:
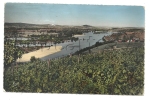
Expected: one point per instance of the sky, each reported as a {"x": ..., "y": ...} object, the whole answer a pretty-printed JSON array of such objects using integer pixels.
[{"x": 65, "y": 14}]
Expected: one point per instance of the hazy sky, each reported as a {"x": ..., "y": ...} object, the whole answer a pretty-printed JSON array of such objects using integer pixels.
[{"x": 96, "y": 15}]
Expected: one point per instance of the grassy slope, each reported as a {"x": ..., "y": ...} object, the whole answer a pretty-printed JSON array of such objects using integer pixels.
[{"x": 111, "y": 72}]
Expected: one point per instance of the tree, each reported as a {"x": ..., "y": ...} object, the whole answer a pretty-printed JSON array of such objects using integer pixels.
[
  {"x": 124, "y": 38},
  {"x": 96, "y": 44},
  {"x": 32, "y": 59},
  {"x": 11, "y": 52}
]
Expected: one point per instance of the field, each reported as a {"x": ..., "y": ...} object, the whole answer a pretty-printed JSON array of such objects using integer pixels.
[{"x": 109, "y": 72}]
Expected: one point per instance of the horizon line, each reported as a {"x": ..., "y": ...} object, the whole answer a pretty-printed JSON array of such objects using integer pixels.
[{"x": 75, "y": 25}]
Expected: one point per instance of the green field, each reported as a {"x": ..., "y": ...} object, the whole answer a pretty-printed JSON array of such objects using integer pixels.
[{"x": 119, "y": 72}]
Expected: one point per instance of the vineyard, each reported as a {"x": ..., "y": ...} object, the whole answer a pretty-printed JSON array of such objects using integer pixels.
[{"x": 115, "y": 72}]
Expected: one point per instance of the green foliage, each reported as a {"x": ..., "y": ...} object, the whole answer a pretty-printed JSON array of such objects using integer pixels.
[
  {"x": 32, "y": 59},
  {"x": 119, "y": 72},
  {"x": 11, "y": 52}
]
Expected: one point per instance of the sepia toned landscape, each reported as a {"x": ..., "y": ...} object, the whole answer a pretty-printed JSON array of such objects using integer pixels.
[{"x": 74, "y": 49}]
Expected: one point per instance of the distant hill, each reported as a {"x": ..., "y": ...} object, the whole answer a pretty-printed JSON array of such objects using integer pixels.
[
  {"x": 26, "y": 25},
  {"x": 87, "y": 26},
  {"x": 18, "y": 24}
]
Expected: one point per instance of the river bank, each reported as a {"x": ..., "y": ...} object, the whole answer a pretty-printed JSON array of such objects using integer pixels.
[{"x": 39, "y": 53}]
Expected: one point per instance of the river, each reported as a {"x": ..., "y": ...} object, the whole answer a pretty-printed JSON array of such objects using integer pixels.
[{"x": 85, "y": 40}]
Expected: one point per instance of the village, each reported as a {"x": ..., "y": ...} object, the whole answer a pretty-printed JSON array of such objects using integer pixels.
[{"x": 127, "y": 36}]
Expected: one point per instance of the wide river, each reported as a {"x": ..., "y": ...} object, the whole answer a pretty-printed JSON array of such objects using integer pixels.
[{"x": 84, "y": 41}]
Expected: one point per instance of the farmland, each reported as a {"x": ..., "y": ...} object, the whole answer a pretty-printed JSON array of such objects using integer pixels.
[{"x": 111, "y": 72}]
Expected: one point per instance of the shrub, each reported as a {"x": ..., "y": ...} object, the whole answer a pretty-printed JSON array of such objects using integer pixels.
[{"x": 32, "y": 59}]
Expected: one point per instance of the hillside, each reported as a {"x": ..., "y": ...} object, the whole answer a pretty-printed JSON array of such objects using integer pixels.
[{"x": 109, "y": 72}]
